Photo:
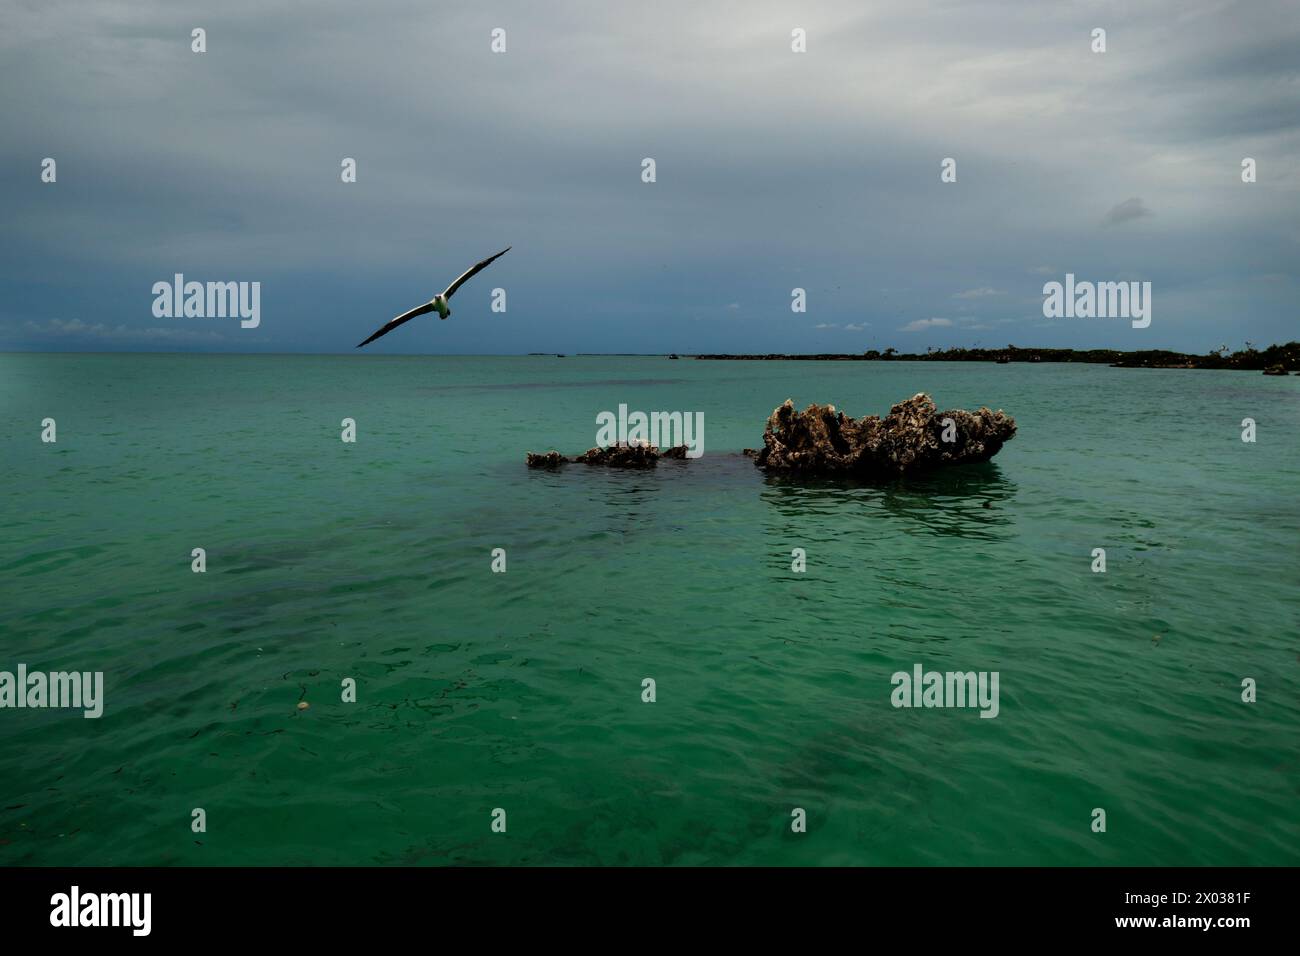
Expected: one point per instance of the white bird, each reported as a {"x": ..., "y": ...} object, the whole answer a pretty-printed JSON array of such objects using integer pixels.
[{"x": 439, "y": 302}]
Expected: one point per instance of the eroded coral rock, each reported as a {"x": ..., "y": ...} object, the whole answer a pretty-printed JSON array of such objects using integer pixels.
[
  {"x": 546, "y": 459},
  {"x": 621, "y": 456},
  {"x": 613, "y": 456},
  {"x": 913, "y": 437}
]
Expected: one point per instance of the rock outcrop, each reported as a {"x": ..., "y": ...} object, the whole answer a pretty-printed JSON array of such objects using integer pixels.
[
  {"x": 1275, "y": 370},
  {"x": 546, "y": 459},
  {"x": 913, "y": 437},
  {"x": 613, "y": 456}
]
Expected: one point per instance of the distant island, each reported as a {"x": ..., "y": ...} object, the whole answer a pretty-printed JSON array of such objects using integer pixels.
[{"x": 1277, "y": 359}]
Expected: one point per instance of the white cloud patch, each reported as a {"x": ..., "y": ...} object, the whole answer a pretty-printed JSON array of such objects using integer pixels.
[
  {"x": 979, "y": 293},
  {"x": 920, "y": 325},
  {"x": 77, "y": 329}
]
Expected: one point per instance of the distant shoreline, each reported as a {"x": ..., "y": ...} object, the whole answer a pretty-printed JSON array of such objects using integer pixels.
[
  {"x": 1275, "y": 359},
  {"x": 1286, "y": 357}
]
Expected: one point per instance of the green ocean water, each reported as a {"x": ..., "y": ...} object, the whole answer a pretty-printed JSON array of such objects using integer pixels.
[{"x": 522, "y": 690}]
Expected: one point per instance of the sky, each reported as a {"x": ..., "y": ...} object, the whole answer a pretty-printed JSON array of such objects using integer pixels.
[{"x": 774, "y": 170}]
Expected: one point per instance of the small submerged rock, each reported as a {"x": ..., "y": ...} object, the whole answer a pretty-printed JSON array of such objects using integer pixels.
[
  {"x": 913, "y": 437},
  {"x": 613, "y": 456}
]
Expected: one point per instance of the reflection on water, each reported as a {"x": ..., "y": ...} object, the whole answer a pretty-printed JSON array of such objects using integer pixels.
[
  {"x": 614, "y": 500},
  {"x": 963, "y": 501}
]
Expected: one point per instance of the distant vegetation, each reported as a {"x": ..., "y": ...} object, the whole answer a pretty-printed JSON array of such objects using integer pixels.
[{"x": 1250, "y": 358}]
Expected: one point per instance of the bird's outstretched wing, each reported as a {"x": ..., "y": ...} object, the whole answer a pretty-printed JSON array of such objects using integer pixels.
[
  {"x": 404, "y": 317},
  {"x": 473, "y": 271}
]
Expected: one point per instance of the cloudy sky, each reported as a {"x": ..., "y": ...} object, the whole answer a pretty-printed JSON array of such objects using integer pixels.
[{"x": 775, "y": 170}]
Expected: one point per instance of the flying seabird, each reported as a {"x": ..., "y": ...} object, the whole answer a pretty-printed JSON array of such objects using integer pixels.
[{"x": 439, "y": 302}]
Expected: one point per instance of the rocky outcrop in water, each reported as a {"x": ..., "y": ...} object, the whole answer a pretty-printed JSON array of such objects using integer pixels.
[
  {"x": 546, "y": 459},
  {"x": 913, "y": 437},
  {"x": 613, "y": 456},
  {"x": 1275, "y": 370}
]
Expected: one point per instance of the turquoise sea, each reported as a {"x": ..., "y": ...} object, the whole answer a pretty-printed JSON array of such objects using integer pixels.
[{"x": 523, "y": 691}]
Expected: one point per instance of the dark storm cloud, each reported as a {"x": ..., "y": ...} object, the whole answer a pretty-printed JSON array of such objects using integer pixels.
[{"x": 775, "y": 170}]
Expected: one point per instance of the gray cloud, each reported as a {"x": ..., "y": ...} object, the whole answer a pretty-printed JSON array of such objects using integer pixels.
[
  {"x": 775, "y": 170},
  {"x": 1128, "y": 210}
]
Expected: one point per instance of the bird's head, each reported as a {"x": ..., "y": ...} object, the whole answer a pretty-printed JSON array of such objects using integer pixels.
[{"x": 440, "y": 303}]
